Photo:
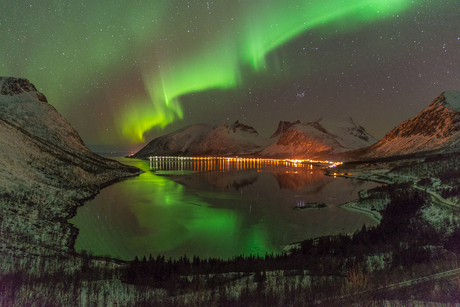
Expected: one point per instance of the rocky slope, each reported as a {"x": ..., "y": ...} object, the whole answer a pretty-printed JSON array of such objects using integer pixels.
[
  {"x": 319, "y": 139},
  {"x": 46, "y": 171},
  {"x": 206, "y": 139},
  {"x": 435, "y": 129},
  {"x": 282, "y": 127}
]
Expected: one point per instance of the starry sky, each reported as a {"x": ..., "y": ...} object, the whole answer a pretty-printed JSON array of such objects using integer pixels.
[{"x": 125, "y": 72}]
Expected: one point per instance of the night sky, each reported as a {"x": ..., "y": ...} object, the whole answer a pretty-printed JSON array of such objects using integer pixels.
[{"x": 125, "y": 72}]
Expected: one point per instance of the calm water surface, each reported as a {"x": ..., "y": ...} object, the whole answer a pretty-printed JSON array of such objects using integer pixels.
[{"x": 215, "y": 209}]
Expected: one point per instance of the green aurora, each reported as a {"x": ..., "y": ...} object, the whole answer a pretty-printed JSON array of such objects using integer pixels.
[
  {"x": 77, "y": 54},
  {"x": 218, "y": 65}
]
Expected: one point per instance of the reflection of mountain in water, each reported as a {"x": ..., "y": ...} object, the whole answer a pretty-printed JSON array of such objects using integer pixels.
[
  {"x": 223, "y": 174},
  {"x": 234, "y": 179},
  {"x": 218, "y": 179},
  {"x": 312, "y": 181}
]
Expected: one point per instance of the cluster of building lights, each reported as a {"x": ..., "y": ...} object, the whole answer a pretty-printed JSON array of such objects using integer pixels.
[{"x": 240, "y": 159}]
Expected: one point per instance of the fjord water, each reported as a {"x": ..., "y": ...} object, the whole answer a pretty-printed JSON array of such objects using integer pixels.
[{"x": 215, "y": 208}]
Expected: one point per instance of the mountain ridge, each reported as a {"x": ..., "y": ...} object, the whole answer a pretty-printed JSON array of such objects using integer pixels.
[
  {"x": 282, "y": 127},
  {"x": 319, "y": 139},
  {"x": 303, "y": 140},
  {"x": 435, "y": 129}
]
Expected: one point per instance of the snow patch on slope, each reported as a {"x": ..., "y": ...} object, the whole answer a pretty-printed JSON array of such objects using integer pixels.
[
  {"x": 348, "y": 134},
  {"x": 452, "y": 100}
]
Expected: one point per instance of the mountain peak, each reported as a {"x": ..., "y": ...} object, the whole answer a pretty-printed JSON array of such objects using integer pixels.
[
  {"x": 283, "y": 126},
  {"x": 435, "y": 128},
  {"x": 318, "y": 126},
  {"x": 348, "y": 120},
  {"x": 452, "y": 100},
  {"x": 320, "y": 138},
  {"x": 15, "y": 86},
  {"x": 205, "y": 139},
  {"x": 240, "y": 126}
]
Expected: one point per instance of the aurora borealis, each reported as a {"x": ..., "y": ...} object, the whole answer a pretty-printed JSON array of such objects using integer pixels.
[{"x": 123, "y": 72}]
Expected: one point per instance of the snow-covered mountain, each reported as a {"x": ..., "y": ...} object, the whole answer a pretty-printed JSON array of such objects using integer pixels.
[
  {"x": 38, "y": 144},
  {"x": 319, "y": 139},
  {"x": 436, "y": 128},
  {"x": 282, "y": 127},
  {"x": 206, "y": 139},
  {"x": 45, "y": 170},
  {"x": 23, "y": 107}
]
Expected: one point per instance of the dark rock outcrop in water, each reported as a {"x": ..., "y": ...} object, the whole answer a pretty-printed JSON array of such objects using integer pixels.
[{"x": 46, "y": 172}]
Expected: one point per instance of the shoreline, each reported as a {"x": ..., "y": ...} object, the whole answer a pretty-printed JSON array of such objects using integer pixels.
[
  {"x": 350, "y": 206},
  {"x": 72, "y": 211}
]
